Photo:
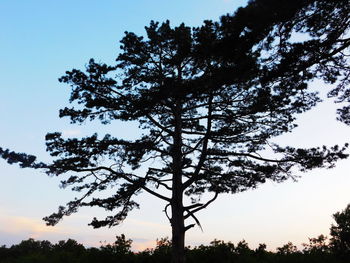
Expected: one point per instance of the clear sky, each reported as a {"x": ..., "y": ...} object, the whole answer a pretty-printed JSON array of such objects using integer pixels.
[{"x": 40, "y": 40}]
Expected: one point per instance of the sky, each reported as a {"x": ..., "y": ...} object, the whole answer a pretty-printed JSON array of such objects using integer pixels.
[{"x": 40, "y": 40}]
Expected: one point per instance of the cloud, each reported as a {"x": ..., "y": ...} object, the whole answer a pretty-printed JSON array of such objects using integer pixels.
[
  {"x": 20, "y": 225},
  {"x": 15, "y": 228},
  {"x": 140, "y": 244},
  {"x": 71, "y": 133}
]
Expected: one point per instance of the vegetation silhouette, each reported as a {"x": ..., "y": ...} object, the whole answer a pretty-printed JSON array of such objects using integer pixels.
[
  {"x": 209, "y": 101},
  {"x": 318, "y": 250},
  {"x": 340, "y": 232}
]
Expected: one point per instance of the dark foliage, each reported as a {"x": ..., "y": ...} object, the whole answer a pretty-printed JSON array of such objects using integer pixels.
[
  {"x": 340, "y": 232},
  {"x": 32, "y": 251}
]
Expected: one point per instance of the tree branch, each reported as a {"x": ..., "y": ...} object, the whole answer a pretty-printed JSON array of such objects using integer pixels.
[
  {"x": 203, "y": 206},
  {"x": 204, "y": 147},
  {"x": 122, "y": 175}
]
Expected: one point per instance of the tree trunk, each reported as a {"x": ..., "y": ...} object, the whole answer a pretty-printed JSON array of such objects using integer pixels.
[
  {"x": 178, "y": 233},
  {"x": 177, "y": 221},
  {"x": 177, "y": 209}
]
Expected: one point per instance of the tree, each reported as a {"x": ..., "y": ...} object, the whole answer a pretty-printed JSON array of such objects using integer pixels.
[
  {"x": 120, "y": 247},
  {"x": 340, "y": 232},
  {"x": 287, "y": 249},
  {"x": 208, "y": 100},
  {"x": 317, "y": 245}
]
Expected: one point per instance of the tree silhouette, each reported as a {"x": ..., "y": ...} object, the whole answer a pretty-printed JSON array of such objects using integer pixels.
[
  {"x": 339, "y": 72},
  {"x": 317, "y": 245},
  {"x": 208, "y": 100},
  {"x": 121, "y": 249},
  {"x": 287, "y": 249},
  {"x": 340, "y": 232}
]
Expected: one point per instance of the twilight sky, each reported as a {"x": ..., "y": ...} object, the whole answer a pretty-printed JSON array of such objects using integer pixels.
[{"x": 40, "y": 40}]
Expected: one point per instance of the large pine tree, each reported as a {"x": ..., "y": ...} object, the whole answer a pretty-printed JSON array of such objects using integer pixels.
[{"x": 208, "y": 100}]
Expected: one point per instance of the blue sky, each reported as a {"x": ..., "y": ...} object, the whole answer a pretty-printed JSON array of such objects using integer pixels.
[{"x": 40, "y": 40}]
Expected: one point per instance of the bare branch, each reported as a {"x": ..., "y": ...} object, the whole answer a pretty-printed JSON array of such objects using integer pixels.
[
  {"x": 194, "y": 217},
  {"x": 166, "y": 212},
  {"x": 203, "y": 206},
  {"x": 189, "y": 227}
]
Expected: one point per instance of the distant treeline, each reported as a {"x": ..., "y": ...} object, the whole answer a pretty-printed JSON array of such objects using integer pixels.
[
  {"x": 317, "y": 250},
  {"x": 33, "y": 251}
]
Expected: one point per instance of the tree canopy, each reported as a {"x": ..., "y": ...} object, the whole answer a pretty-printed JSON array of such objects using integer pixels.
[
  {"x": 209, "y": 100},
  {"x": 340, "y": 232}
]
